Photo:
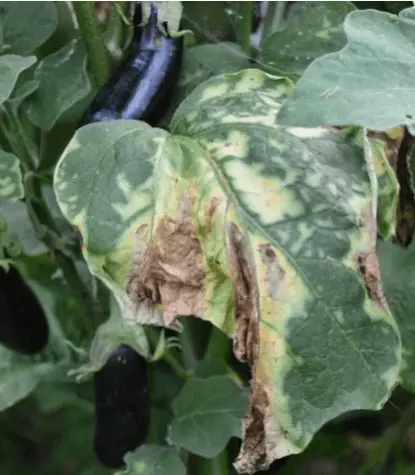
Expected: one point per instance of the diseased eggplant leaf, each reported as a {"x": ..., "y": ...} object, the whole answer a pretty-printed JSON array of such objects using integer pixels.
[
  {"x": 10, "y": 68},
  {"x": 367, "y": 83},
  {"x": 397, "y": 267},
  {"x": 205, "y": 61},
  {"x": 11, "y": 185},
  {"x": 26, "y": 25},
  {"x": 267, "y": 232},
  {"x": 153, "y": 460},
  {"x": 63, "y": 81},
  {"x": 385, "y": 150},
  {"x": 207, "y": 413},
  {"x": 313, "y": 29}
]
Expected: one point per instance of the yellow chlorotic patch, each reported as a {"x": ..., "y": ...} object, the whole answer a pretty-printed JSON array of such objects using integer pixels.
[
  {"x": 303, "y": 235},
  {"x": 7, "y": 190},
  {"x": 263, "y": 196},
  {"x": 292, "y": 293},
  {"x": 308, "y": 133},
  {"x": 136, "y": 200},
  {"x": 252, "y": 79},
  {"x": 216, "y": 90}
]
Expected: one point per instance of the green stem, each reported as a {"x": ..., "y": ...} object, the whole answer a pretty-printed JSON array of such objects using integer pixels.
[
  {"x": 274, "y": 18},
  {"x": 47, "y": 232},
  {"x": 218, "y": 347},
  {"x": 168, "y": 355},
  {"x": 278, "y": 19},
  {"x": 11, "y": 131},
  {"x": 218, "y": 465},
  {"x": 97, "y": 54},
  {"x": 245, "y": 26},
  {"x": 379, "y": 455},
  {"x": 188, "y": 352}
]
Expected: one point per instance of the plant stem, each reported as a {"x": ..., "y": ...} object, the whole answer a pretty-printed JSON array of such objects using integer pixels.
[
  {"x": 168, "y": 355},
  {"x": 97, "y": 54},
  {"x": 189, "y": 355},
  {"x": 218, "y": 347},
  {"x": 274, "y": 18},
  {"x": 47, "y": 232},
  {"x": 378, "y": 456},
  {"x": 218, "y": 465},
  {"x": 245, "y": 26}
]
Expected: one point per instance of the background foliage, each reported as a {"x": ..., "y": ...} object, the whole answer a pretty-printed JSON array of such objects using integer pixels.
[{"x": 199, "y": 393}]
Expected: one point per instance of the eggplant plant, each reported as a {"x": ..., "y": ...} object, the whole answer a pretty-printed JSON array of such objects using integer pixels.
[{"x": 210, "y": 210}]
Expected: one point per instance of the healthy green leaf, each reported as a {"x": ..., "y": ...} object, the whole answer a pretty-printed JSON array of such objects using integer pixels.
[
  {"x": 207, "y": 413},
  {"x": 235, "y": 215},
  {"x": 26, "y": 25},
  {"x": 63, "y": 81},
  {"x": 153, "y": 460},
  {"x": 313, "y": 29},
  {"x": 367, "y": 83},
  {"x": 20, "y": 226},
  {"x": 22, "y": 92},
  {"x": 397, "y": 267},
  {"x": 10, "y": 68},
  {"x": 208, "y": 21},
  {"x": 11, "y": 185},
  {"x": 166, "y": 386}
]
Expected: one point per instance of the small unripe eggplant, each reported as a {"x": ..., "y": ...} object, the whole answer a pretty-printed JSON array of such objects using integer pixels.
[
  {"x": 23, "y": 324},
  {"x": 122, "y": 408},
  {"x": 142, "y": 88}
]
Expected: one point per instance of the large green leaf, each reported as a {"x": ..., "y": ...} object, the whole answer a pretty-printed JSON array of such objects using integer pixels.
[
  {"x": 63, "y": 81},
  {"x": 368, "y": 82},
  {"x": 153, "y": 460},
  {"x": 313, "y": 29},
  {"x": 267, "y": 232},
  {"x": 11, "y": 185},
  {"x": 207, "y": 413},
  {"x": 208, "y": 20},
  {"x": 398, "y": 276},
  {"x": 10, "y": 68},
  {"x": 26, "y": 25}
]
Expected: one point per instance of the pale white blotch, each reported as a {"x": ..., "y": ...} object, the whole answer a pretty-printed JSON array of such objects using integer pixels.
[
  {"x": 339, "y": 316},
  {"x": 308, "y": 133},
  {"x": 253, "y": 79},
  {"x": 235, "y": 145},
  {"x": 268, "y": 119},
  {"x": 135, "y": 199},
  {"x": 305, "y": 234}
]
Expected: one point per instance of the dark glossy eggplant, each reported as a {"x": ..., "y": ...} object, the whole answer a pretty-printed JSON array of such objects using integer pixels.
[
  {"x": 122, "y": 408},
  {"x": 23, "y": 324},
  {"x": 142, "y": 88}
]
